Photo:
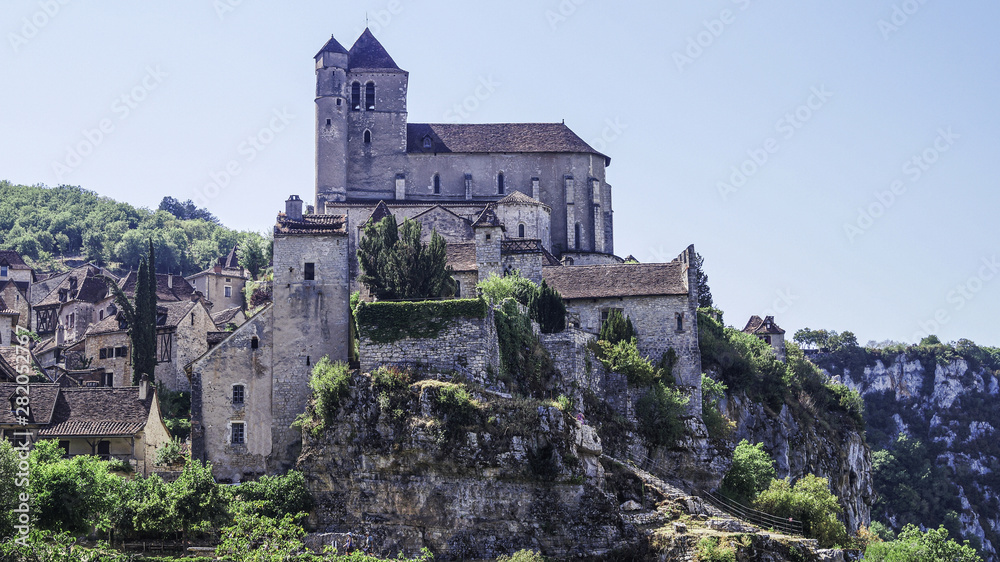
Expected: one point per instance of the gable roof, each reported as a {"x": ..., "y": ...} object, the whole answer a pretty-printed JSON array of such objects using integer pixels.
[
  {"x": 12, "y": 259},
  {"x": 438, "y": 208},
  {"x": 4, "y": 311},
  {"x": 176, "y": 311},
  {"x": 765, "y": 326},
  {"x": 81, "y": 284},
  {"x": 98, "y": 412},
  {"x": 311, "y": 224},
  {"x": 617, "y": 280},
  {"x": 367, "y": 52},
  {"x": 42, "y": 287},
  {"x": 110, "y": 324},
  {"x": 43, "y": 400},
  {"x": 379, "y": 212},
  {"x": 231, "y": 260},
  {"x": 226, "y": 316},
  {"x": 168, "y": 288},
  {"x": 462, "y": 256},
  {"x": 332, "y": 46},
  {"x": 487, "y": 218},
  {"x": 496, "y": 138}
]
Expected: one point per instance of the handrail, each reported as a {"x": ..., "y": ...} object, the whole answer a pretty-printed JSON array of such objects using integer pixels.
[{"x": 757, "y": 517}]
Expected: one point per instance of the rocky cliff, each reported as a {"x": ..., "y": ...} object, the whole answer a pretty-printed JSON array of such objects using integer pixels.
[{"x": 944, "y": 469}]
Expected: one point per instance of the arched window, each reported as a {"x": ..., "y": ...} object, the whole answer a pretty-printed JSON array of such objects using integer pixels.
[
  {"x": 520, "y": 231},
  {"x": 576, "y": 236},
  {"x": 356, "y": 96},
  {"x": 368, "y": 136},
  {"x": 428, "y": 143},
  {"x": 458, "y": 288},
  {"x": 369, "y": 96},
  {"x": 500, "y": 186},
  {"x": 437, "y": 184}
]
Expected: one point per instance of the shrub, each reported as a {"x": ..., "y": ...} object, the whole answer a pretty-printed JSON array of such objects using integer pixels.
[
  {"x": 751, "y": 472},
  {"x": 497, "y": 289},
  {"x": 169, "y": 453},
  {"x": 912, "y": 544},
  {"x": 393, "y": 389},
  {"x": 523, "y": 360},
  {"x": 195, "y": 500},
  {"x": 617, "y": 328},
  {"x": 178, "y": 427},
  {"x": 659, "y": 413},
  {"x": 522, "y": 556},
  {"x": 548, "y": 309},
  {"x": 457, "y": 407},
  {"x": 809, "y": 501},
  {"x": 277, "y": 496},
  {"x": 719, "y": 426},
  {"x": 254, "y": 537},
  {"x": 710, "y": 549},
  {"x": 624, "y": 358},
  {"x": 330, "y": 383},
  {"x": 72, "y": 494}
]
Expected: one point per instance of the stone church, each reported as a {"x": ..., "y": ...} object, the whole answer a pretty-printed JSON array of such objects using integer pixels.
[{"x": 530, "y": 197}]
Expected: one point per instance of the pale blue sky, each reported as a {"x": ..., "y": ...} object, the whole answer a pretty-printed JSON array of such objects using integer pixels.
[{"x": 677, "y": 120}]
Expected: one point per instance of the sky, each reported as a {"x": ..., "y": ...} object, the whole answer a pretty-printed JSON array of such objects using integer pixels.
[{"x": 833, "y": 162}]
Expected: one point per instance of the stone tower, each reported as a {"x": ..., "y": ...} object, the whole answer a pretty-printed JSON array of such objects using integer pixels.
[
  {"x": 331, "y": 122},
  {"x": 360, "y": 121}
]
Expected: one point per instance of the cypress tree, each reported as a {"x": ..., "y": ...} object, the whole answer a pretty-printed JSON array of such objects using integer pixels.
[
  {"x": 143, "y": 329},
  {"x": 548, "y": 309},
  {"x": 617, "y": 328}
]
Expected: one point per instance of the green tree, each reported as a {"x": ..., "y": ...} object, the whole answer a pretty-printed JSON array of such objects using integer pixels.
[
  {"x": 751, "y": 472},
  {"x": 548, "y": 309},
  {"x": 659, "y": 413},
  {"x": 809, "y": 501},
  {"x": 617, "y": 328},
  {"x": 72, "y": 494},
  {"x": 496, "y": 288},
  {"x": 912, "y": 545},
  {"x": 251, "y": 255},
  {"x": 704, "y": 291},
  {"x": 142, "y": 330},
  {"x": 195, "y": 500},
  {"x": 395, "y": 264},
  {"x": 9, "y": 492}
]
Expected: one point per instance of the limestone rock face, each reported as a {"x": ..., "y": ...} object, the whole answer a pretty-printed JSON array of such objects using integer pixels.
[
  {"x": 798, "y": 449},
  {"x": 523, "y": 474}
]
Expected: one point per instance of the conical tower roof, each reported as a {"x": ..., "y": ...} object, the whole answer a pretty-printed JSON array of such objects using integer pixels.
[
  {"x": 332, "y": 46},
  {"x": 367, "y": 52}
]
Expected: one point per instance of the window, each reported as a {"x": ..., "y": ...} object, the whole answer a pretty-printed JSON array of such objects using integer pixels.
[
  {"x": 164, "y": 346},
  {"x": 228, "y": 291},
  {"x": 767, "y": 340},
  {"x": 238, "y": 391},
  {"x": 458, "y": 288},
  {"x": 428, "y": 144},
  {"x": 310, "y": 271},
  {"x": 239, "y": 433},
  {"x": 520, "y": 231},
  {"x": 254, "y": 342},
  {"x": 120, "y": 351},
  {"x": 3, "y": 271},
  {"x": 356, "y": 96},
  {"x": 370, "y": 96},
  {"x": 576, "y": 236},
  {"x": 368, "y": 136},
  {"x": 680, "y": 321},
  {"x": 192, "y": 319},
  {"x": 500, "y": 184},
  {"x": 437, "y": 184},
  {"x": 64, "y": 445},
  {"x": 338, "y": 104},
  {"x": 328, "y": 121},
  {"x": 104, "y": 450},
  {"x": 100, "y": 315},
  {"x": 103, "y": 353},
  {"x": 488, "y": 236}
]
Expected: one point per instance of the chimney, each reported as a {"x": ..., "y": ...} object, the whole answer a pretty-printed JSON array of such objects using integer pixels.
[
  {"x": 170, "y": 280},
  {"x": 143, "y": 388},
  {"x": 293, "y": 208}
]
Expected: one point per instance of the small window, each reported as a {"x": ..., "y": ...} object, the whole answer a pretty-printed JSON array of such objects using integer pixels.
[
  {"x": 767, "y": 340},
  {"x": 308, "y": 361},
  {"x": 437, "y": 183},
  {"x": 228, "y": 291},
  {"x": 121, "y": 351},
  {"x": 239, "y": 433},
  {"x": 488, "y": 236},
  {"x": 238, "y": 392},
  {"x": 310, "y": 271},
  {"x": 100, "y": 315},
  {"x": 356, "y": 96},
  {"x": 576, "y": 236},
  {"x": 192, "y": 318},
  {"x": 680, "y": 321},
  {"x": 103, "y": 354},
  {"x": 520, "y": 231},
  {"x": 368, "y": 136},
  {"x": 3, "y": 271},
  {"x": 338, "y": 104},
  {"x": 254, "y": 342},
  {"x": 328, "y": 121},
  {"x": 104, "y": 449},
  {"x": 370, "y": 96},
  {"x": 500, "y": 183},
  {"x": 428, "y": 144}
]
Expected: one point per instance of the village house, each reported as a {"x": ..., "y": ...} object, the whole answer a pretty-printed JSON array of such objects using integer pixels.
[
  {"x": 769, "y": 332},
  {"x": 223, "y": 283}
]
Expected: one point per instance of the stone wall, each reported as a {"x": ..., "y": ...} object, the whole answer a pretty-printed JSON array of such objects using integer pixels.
[
  {"x": 119, "y": 367},
  {"x": 189, "y": 342},
  {"x": 15, "y": 301},
  {"x": 468, "y": 345},
  {"x": 529, "y": 264},
  {"x": 235, "y": 361}
]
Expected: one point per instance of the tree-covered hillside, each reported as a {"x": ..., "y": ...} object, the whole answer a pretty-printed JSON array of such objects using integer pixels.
[{"x": 44, "y": 224}]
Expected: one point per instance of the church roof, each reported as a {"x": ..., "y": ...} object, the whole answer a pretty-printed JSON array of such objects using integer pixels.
[
  {"x": 617, "y": 280},
  {"x": 487, "y": 218},
  {"x": 367, "y": 52},
  {"x": 311, "y": 224},
  {"x": 495, "y": 138},
  {"x": 766, "y": 326},
  {"x": 380, "y": 212},
  {"x": 518, "y": 197},
  {"x": 332, "y": 46}
]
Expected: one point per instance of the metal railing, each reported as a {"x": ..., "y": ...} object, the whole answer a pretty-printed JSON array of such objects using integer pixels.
[{"x": 761, "y": 519}]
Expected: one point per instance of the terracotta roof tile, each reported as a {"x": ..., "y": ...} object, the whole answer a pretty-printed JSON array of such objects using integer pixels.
[
  {"x": 42, "y": 401},
  {"x": 12, "y": 259},
  {"x": 98, "y": 412},
  {"x": 462, "y": 256},
  {"x": 311, "y": 224},
  {"x": 168, "y": 288},
  {"x": 766, "y": 326},
  {"x": 617, "y": 280}
]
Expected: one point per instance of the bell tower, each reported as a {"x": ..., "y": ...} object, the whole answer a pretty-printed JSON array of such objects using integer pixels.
[{"x": 331, "y": 124}]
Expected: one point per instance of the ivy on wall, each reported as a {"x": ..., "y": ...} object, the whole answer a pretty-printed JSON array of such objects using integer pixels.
[{"x": 387, "y": 322}]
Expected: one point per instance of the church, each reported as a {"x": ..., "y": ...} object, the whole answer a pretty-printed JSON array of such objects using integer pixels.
[{"x": 445, "y": 175}]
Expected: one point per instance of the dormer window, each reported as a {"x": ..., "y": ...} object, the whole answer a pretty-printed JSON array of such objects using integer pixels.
[
  {"x": 3, "y": 268},
  {"x": 370, "y": 96},
  {"x": 356, "y": 96},
  {"x": 428, "y": 144}
]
